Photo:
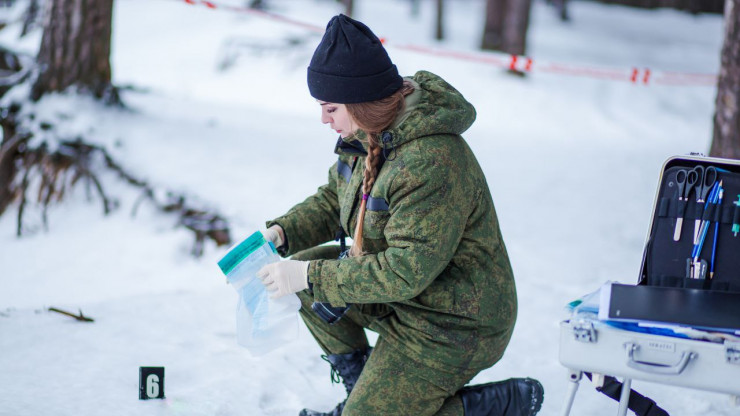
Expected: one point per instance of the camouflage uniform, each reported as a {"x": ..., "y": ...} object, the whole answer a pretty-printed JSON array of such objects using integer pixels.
[{"x": 435, "y": 283}]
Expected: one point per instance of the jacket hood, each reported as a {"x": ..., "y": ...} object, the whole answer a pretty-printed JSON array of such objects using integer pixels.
[{"x": 435, "y": 107}]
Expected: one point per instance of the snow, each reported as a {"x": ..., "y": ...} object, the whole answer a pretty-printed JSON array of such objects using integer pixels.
[{"x": 572, "y": 163}]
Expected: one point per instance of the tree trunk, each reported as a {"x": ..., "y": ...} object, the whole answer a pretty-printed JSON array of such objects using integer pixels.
[
  {"x": 562, "y": 8},
  {"x": 493, "y": 31},
  {"x": 75, "y": 49},
  {"x": 9, "y": 145},
  {"x": 515, "y": 30},
  {"x": 726, "y": 138},
  {"x": 439, "y": 30},
  {"x": 506, "y": 26},
  {"x": 349, "y": 7},
  {"x": 256, "y": 4},
  {"x": 415, "y": 8}
]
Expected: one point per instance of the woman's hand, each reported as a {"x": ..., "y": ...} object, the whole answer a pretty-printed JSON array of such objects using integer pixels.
[
  {"x": 275, "y": 235},
  {"x": 284, "y": 277}
]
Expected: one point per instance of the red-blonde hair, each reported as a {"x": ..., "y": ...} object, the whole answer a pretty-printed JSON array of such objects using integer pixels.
[{"x": 373, "y": 118}]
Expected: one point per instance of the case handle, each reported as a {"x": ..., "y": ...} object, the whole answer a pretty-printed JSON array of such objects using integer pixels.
[{"x": 654, "y": 368}]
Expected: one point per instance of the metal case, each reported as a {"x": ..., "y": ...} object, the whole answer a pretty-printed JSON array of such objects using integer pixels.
[
  {"x": 674, "y": 361},
  {"x": 593, "y": 346}
]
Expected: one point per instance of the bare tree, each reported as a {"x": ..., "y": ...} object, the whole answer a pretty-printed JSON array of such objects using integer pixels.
[
  {"x": 439, "y": 29},
  {"x": 561, "y": 6},
  {"x": 726, "y": 137},
  {"x": 75, "y": 49},
  {"x": 31, "y": 17},
  {"x": 415, "y": 8},
  {"x": 349, "y": 6},
  {"x": 75, "y": 52},
  {"x": 493, "y": 30},
  {"x": 506, "y": 26}
]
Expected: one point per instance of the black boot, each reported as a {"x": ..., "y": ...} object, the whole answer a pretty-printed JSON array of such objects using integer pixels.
[
  {"x": 512, "y": 397},
  {"x": 348, "y": 367}
]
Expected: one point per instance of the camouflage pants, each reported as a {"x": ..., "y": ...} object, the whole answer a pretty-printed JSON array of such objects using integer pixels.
[{"x": 391, "y": 383}]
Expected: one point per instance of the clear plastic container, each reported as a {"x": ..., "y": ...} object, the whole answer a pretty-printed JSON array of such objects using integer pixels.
[{"x": 262, "y": 324}]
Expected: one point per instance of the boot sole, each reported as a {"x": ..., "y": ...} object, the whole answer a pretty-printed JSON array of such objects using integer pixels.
[{"x": 538, "y": 395}]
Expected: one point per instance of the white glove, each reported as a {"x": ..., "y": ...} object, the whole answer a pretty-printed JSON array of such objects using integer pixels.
[
  {"x": 284, "y": 277},
  {"x": 275, "y": 234}
]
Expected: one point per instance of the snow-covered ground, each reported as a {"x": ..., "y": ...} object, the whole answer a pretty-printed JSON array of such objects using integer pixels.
[{"x": 220, "y": 111}]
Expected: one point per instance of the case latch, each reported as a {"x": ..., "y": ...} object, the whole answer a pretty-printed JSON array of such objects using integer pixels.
[
  {"x": 584, "y": 331},
  {"x": 732, "y": 352}
]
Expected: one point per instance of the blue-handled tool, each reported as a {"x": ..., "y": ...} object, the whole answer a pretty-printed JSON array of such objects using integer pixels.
[
  {"x": 736, "y": 226},
  {"x": 704, "y": 225},
  {"x": 697, "y": 269},
  {"x": 716, "y": 232}
]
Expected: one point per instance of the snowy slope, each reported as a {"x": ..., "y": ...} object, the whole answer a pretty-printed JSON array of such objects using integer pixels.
[{"x": 572, "y": 163}]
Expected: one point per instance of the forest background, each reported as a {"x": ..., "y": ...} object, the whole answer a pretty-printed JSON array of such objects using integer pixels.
[{"x": 212, "y": 125}]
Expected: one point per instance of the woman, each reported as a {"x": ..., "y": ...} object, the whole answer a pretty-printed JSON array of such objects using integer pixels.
[{"x": 427, "y": 269}]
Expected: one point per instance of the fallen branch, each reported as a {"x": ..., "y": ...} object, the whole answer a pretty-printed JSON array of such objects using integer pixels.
[
  {"x": 79, "y": 317},
  {"x": 53, "y": 172}
]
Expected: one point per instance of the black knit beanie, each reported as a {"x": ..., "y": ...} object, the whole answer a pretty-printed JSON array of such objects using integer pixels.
[{"x": 350, "y": 65}]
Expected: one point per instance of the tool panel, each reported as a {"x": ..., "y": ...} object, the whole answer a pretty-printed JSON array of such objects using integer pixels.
[{"x": 694, "y": 239}]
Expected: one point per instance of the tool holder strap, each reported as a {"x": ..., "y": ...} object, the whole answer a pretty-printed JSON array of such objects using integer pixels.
[{"x": 728, "y": 213}]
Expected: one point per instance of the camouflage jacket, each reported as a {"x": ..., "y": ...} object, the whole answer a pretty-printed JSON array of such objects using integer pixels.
[{"x": 437, "y": 274}]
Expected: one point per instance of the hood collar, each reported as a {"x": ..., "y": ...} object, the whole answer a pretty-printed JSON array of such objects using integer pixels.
[{"x": 435, "y": 107}]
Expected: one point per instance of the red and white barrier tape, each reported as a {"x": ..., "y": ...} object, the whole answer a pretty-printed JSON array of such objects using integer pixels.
[
  {"x": 261, "y": 13},
  {"x": 643, "y": 76}
]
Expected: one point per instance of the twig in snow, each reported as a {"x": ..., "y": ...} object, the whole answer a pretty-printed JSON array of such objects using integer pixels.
[{"x": 79, "y": 317}]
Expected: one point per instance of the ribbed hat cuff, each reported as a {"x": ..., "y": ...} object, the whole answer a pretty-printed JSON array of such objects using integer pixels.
[{"x": 350, "y": 90}]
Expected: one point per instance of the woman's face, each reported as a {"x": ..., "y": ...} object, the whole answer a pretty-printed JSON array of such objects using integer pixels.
[{"x": 338, "y": 118}]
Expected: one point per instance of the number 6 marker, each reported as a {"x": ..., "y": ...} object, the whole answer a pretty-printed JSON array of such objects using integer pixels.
[{"x": 151, "y": 383}]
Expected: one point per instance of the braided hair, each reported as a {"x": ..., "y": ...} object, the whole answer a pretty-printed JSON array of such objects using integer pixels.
[{"x": 373, "y": 117}]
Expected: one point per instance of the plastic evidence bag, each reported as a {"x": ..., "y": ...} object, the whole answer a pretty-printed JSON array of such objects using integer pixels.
[{"x": 262, "y": 324}]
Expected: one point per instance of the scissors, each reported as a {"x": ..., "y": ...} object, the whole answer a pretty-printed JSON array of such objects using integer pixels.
[
  {"x": 685, "y": 181},
  {"x": 706, "y": 179},
  {"x": 705, "y": 182}
]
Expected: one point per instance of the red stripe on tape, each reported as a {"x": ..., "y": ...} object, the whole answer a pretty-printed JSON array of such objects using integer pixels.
[
  {"x": 512, "y": 64},
  {"x": 646, "y": 77},
  {"x": 494, "y": 60},
  {"x": 528, "y": 65}
]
